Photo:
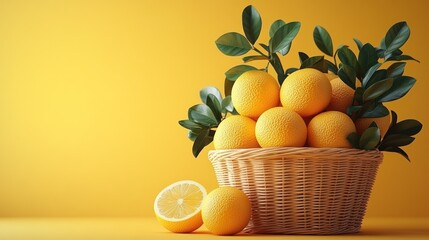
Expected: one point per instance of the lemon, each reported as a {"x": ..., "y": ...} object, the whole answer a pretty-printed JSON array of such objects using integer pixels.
[
  {"x": 178, "y": 206},
  {"x": 226, "y": 211},
  {"x": 341, "y": 97},
  {"x": 254, "y": 92},
  {"x": 280, "y": 127},
  {"x": 383, "y": 124},
  {"x": 235, "y": 132},
  {"x": 330, "y": 130},
  {"x": 306, "y": 91}
]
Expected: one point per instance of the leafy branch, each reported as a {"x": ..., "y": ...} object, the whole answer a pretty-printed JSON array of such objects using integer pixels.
[{"x": 204, "y": 118}]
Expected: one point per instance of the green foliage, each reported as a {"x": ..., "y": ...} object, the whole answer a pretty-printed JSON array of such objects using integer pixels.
[
  {"x": 252, "y": 23},
  {"x": 323, "y": 40},
  {"x": 204, "y": 118},
  {"x": 378, "y": 83},
  {"x": 400, "y": 134}
]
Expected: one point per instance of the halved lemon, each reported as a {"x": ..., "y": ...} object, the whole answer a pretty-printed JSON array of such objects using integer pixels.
[{"x": 178, "y": 206}]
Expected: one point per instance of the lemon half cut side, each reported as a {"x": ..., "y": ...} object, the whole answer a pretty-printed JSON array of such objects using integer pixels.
[{"x": 178, "y": 206}]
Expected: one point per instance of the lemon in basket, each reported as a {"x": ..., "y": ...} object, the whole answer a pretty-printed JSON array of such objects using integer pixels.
[
  {"x": 254, "y": 92},
  {"x": 236, "y": 132},
  {"x": 306, "y": 91},
  {"x": 226, "y": 211},
  {"x": 281, "y": 127},
  {"x": 330, "y": 130},
  {"x": 342, "y": 96},
  {"x": 178, "y": 206}
]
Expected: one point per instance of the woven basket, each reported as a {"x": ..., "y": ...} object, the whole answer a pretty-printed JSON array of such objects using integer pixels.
[{"x": 300, "y": 190}]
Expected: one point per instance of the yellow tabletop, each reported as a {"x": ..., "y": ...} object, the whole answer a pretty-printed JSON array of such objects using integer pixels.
[{"x": 148, "y": 229}]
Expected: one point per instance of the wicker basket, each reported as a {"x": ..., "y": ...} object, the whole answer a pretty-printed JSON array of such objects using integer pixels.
[{"x": 300, "y": 190}]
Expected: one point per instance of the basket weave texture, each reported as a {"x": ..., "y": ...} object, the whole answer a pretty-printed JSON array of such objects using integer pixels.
[{"x": 300, "y": 190}]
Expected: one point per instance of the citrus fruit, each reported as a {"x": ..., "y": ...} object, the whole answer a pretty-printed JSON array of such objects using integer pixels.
[
  {"x": 280, "y": 127},
  {"x": 330, "y": 76},
  {"x": 341, "y": 97},
  {"x": 226, "y": 211},
  {"x": 235, "y": 132},
  {"x": 306, "y": 91},
  {"x": 178, "y": 206},
  {"x": 383, "y": 124},
  {"x": 254, "y": 92},
  {"x": 330, "y": 130}
]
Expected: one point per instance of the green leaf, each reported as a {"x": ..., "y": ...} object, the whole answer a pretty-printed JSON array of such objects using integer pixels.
[
  {"x": 401, "y": 86},
  {"x": 378, "y": 75},
  {"x": 347, "y": 57},
  {"x": 353, "y": 139},
  {"x": 323, "y": 40},
  {"x": 396, "y": 69},
  {"x": 353, "y": 109},
  {"x": 302, "y": 57},
  {"x": 192, "y": 135},
  {"x": 397, "y": 150},
  {"x": 331, "y": 66},
  {"x": 275, "y": 26},
  {"x": 374, "y": 112},
  {"x": 235, "y": 72},
  {"x": 188, "y": 124},
  {"x": 252, "y": 23},
  {"x": 233, "y": 44},
  {"x": 285, "y": 50},
  {"x": 396, "y": 140},
  {"x": 277, "y": 65},
  {"x": 348, "y": 75},
  {"x": 369, "y": 74},
  {"x": 377, "y": 89},
  {"x": 315, "y": 62},
  {"x": 202, "y": 140},
  {"x": 396, "y": 37},
  {"x": 402, "y": 58},
  {"x": 214, "y": 104},
  {"x": 253, "y": 58},
  {"x": 290, "y": 70},
  {"x": 367, "y": 58},
  {"x": 370, "y": 138},
  {"x": 202, "y": 114},
  {"x": 265, "y": 47},
  {"x": 358, "y": 96},
  {"x": 227, "y": 105},
  {"x": 228, "y": 86},
  {"x": 408, "y": 127},
  {"x": 358, "y": 43},
  {"x": 210, "y": 90},
  {"x": 284, "y": 36},
  {"x": 383, "y": 44}
]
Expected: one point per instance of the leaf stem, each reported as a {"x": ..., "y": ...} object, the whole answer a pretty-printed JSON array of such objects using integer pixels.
[
  {"x": 258, "y": 51},
  {"x": 266, "y": 67}
]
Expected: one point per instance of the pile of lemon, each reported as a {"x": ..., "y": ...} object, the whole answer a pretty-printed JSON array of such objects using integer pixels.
[{"x": 309, "y": 109}]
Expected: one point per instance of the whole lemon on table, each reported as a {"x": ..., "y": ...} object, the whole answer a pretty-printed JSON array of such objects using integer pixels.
[
  {"x": 236, "y": 132},
  {"x": 226, "y": 211},
  {"x": 254, "y": 92},
  {"x": 280, "y": 127},
  {"x": 306, "y": 91},
  {"x": 330, "y": 130}
]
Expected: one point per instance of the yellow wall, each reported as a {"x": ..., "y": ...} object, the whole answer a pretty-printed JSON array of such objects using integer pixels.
[{"x": 91, "y": 92}]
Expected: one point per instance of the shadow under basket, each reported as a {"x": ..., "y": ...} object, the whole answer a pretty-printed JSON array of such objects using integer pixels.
[{"x": 300, "y": 190}]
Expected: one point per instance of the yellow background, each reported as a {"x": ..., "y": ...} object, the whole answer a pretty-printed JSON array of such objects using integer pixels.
[{"x": 91, "y": 92}]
